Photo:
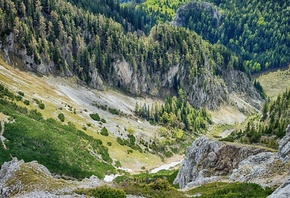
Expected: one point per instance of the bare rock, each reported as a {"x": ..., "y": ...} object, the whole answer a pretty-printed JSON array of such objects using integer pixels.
[
  {"x": 284, "y": 146},
  {"x": 283, "y": 191},
  {"x": 20, "y": 179},
  {"x": 208, "y": 160}
]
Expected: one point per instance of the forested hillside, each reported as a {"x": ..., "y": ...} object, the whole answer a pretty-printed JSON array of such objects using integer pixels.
[
  {"x": 57, "y": 37},
  {"x": 258, "y": 31},
  {"x": 270, "y": 126}
]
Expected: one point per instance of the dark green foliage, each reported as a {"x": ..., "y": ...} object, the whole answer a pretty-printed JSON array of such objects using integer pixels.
[
  {"x": 4, "y": 92},
  {"x": 95, "y": 117},
  {"x": 271, "y": 124},
  {"x": 18, "y": 98},
  {"x": 176, "y": 112},
  {"x": 61, "y": 117},
  {"x": 129, "y": 151},
  {"x": 104, "y": 131},
  {"x": 82, "y": 42},
  {"x": 61, "y": 148},
  {"x": 41, "y": 106},
  {"x": 103, "y": 192},
  {"x": 103, "y": 120},
  {"x": 131, "y": 142},
  {"x": 39, "y": 103},
  {"x": 118, "y": 164},
  {"x": 120, "y": 141},
  {"x": 114, "y": 111},
  {"x": 256, "y": 30},
  {"x": 26, "y": 102},
  {"x": 259, "y": 88},
  {"x": 168, "y": 154},
  {"x": 21, "y": 93},
  {"x": 160, "y": 185},
  {"x": 231, "y": 190}
]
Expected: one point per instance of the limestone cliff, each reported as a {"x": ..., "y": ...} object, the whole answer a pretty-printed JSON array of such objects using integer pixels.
[
  {"x": 284, "y": 146},
  {"x": 209, "y": 160}
]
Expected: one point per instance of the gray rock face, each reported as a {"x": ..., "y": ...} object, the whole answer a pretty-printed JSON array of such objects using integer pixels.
[
  {"x": 282, "y": 192},
  {"x": 284, "y": 146},
  {"x": 20, "y": 179},
  {"x": 207, "y": 160},
  {"x": 6, "y": 172}
]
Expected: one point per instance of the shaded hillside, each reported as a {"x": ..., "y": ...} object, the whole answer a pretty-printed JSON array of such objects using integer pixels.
[
  {"x": 256, "y": 30},
  {"x": 68, "y": 41}
]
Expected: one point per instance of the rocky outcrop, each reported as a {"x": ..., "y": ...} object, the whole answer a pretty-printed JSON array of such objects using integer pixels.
[
  {"x": 181, "y": 15},
  {"x": 282, "y": 192},
  {"x": 20, "y": 179},
  {"x": 206, "y": 160},
  {"x": 284, "y": 146},
  {"x": 209, "y": 160}
]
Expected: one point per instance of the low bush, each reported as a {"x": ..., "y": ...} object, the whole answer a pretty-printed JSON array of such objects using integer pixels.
[
  {"x": 104, "y": 131},
  {"x": 41, "y": 106},
  {"x": 95, "y": 117},
  {"x": 26, "y": 102},
  {"x": 103, "y": 192},
  {"x": 61, "y": 117}
]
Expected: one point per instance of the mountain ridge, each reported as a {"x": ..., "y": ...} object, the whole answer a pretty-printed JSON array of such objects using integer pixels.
[{"x": 97, "y": 50}]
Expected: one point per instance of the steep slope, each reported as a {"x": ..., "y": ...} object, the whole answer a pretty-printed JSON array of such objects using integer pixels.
[
  {"x": 257, "y": 31},
  {"x": 76, "y": 103},
  {"x": 65, "y": 40}
]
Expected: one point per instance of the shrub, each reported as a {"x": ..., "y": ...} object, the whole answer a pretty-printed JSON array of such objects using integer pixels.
[
  {"x": 35, "y": 115},
  {"x": 109, "y": 143},
  {"x": 104, "y": 131},
  {"x": 129, "y": 151},
  {"x": 61, "y": 117},
  {"x": 41, "y": 106},
  {"x": 26, "y": 102},
  {"x": 95, "y": 117},
  {"x": 168, "y": 154},
  {"x": 120, "y": 141},
  {"x": 103, "y": 192},
  {"x": 103, "y": 120},
  {"x": 18, "y": 98},
  {"x": 114, "y": 111},
  {"x": 20, "y": 93},
  {"x": 118, "y": 164}
]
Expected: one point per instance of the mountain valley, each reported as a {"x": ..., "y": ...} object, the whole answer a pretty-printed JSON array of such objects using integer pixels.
[{"x": 144, "y": 98}]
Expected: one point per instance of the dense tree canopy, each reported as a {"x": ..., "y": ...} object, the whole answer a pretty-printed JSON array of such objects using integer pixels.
[
  {"x": 256, "y": 30},
  {"x": 77, "y": 41}
]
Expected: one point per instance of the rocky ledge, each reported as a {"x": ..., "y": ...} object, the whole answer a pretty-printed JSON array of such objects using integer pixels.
[
  {"x": 210, "y": 160},
  {"x": 20, "y": 179}
]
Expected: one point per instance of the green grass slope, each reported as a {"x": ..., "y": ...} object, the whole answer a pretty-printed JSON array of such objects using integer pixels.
[{"x": 61, "y": 148}]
